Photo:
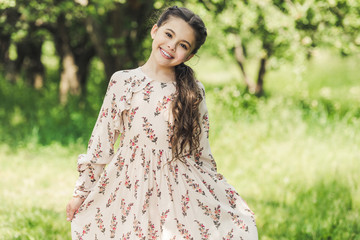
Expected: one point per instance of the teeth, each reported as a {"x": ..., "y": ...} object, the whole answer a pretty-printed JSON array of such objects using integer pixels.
[{"x": 166, "y": 54}]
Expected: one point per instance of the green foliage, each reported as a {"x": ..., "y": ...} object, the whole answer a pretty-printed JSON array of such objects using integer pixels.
[
  {"x": 261, "y": 27},
  {"x": 325, "y": 88},
  {"x": 275, "y": 32},
  {"x": 21, "y": 18},
  {"x": 117, "y": 31},
  {"x": 36, "y": 116},
  {"x": 329, "y": 23}
]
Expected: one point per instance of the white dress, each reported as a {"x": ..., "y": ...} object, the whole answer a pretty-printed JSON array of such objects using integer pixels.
[{"x": 132, "y": 193}]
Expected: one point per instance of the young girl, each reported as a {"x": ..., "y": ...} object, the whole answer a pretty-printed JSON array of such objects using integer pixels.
[{"x": 162, "y": 182}]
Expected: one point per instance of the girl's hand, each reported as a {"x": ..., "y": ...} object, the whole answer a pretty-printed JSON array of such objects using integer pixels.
[{"x": 72, "y": 207}]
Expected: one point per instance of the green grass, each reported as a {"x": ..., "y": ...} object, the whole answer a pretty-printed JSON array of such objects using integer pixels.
[
  {"x": 293, "y": 156},
  {"x": 35, "y": 187}
]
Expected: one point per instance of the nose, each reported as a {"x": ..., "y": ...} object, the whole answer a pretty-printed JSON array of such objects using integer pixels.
[{"x": 171, "y": 45}]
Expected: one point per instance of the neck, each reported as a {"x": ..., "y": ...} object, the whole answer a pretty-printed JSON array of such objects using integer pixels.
[{"x": 161, "y": 73}]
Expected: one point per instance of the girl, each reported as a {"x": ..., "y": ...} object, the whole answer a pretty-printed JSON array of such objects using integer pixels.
[{"x": 162, "y": 182}]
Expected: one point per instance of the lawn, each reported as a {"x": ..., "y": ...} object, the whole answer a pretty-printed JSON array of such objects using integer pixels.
[{"x": 294, "y": 155}]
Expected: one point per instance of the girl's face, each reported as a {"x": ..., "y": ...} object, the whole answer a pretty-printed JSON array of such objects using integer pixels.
[{"x": 173, "y": 42}]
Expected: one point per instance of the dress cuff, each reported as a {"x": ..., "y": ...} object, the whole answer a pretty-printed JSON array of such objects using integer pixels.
[{"x": 89, "y": 173}]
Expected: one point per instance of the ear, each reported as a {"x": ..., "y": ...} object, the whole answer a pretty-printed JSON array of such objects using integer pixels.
[
  {"x": 154, "y": 30},
  {"x": 189, "y": 57}
]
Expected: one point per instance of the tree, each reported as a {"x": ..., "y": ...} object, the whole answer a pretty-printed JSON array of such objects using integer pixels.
[
  {"x": 113, "y": 31},
  {"x": 27, "y": 41},
  {"x": 118, "y": 31},
  {"x": 333, "y": 24},
  {"x": 257, "y": 31},
  {"x": 271, "y": 32}
]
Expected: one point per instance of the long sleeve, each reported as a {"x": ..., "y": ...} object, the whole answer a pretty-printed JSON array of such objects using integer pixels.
[
  {"x": 104, "y": 135},
  {"x": 203, "y": 156}
]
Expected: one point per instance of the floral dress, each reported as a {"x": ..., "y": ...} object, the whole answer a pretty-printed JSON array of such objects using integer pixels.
[{"x": 135, "y": 193}]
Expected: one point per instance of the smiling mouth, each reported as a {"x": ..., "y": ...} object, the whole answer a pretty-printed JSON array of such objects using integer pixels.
[{"x": 165, "y": 54}]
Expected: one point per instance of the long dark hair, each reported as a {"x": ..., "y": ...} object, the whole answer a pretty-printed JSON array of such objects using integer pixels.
[{"x": 185, "y": 107}]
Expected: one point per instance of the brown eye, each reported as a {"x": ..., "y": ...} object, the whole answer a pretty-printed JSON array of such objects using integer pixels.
[
  {"x": 184, "y": 46},
  {"x": 168, "y": 34}
]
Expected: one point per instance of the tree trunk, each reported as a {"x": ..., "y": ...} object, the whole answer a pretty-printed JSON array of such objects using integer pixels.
[
  {"x": 36, "y": 69},
  {"x": 83, "y": 56},
  {"x": 69, "y": 81},
  {"x": 4, "y": 48},
  {"x": 259, "y": 90},
  {"x": 98, "y": 39},
  {"x": 10, "y": 66},
  {"x": 29, "y": 57},
  {"x": 240, "y": 59}
]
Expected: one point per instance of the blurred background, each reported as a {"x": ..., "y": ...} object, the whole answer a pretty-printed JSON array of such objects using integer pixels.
[{"x": 283, "y": 89}]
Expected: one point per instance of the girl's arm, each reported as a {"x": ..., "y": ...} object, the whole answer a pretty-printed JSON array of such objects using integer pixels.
[
  {"x": 204, "y": 156},
  {"x": 101, "y": 144}
]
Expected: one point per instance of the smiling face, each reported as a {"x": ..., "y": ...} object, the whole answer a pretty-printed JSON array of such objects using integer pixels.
[{"x": 173, "y": 42}]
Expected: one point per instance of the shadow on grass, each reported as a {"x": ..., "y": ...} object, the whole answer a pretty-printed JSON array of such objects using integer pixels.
[{"x": 322, "y": 211}]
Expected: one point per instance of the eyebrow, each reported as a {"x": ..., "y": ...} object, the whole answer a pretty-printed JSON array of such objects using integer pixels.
[{"x": 175, "y": 34}]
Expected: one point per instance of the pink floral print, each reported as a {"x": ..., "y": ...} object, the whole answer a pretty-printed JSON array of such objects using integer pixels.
[
  {"x": 112, "y": 197},
  {"x": 185, "y": 203},
  {"x": 99, "y": 221},
  {"x": 163, "y": 104},
  {"x": 131, "y": 116},
  {"x": 125, "y": 209},
  {"x": 147, "y": 92},
  {"x": 204, "y": 232},
  {"x": 214, "y": 214},
  {"x": 113, "y": 226},
  {"x": 230, "y": 195},
  {"x": 150, "y": 132}
]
